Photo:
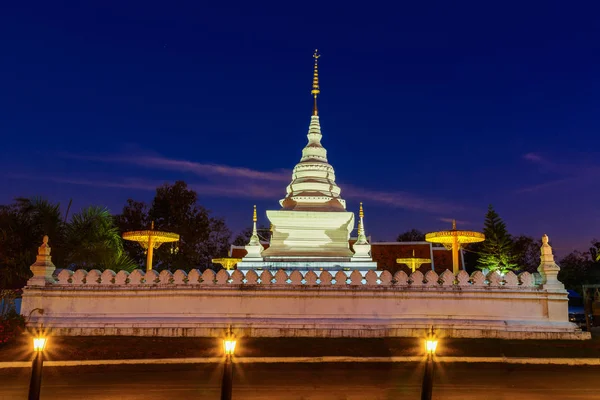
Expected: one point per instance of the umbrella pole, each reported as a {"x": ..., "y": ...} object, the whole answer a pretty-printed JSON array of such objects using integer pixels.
[
  {"x": 455, "y": 255},
  {"x": 150, "y": 254}
]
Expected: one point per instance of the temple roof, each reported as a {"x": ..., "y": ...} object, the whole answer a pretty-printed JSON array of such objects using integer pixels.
[{"x": 386, "y": 253}]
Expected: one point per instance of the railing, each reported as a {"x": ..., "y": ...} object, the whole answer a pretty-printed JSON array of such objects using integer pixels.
[{"x": 294, "y": 278}]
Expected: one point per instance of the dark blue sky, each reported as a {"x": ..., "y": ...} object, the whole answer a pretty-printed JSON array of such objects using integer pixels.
[{"x": 430, "y": 111}]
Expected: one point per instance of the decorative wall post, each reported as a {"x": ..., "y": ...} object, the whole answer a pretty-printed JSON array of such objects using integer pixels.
[
  {"x": 42, "y": 268},
  {"x": 548, "y": 269},
  {"x": 558, "y": 308},
  {"x": 254, "y": 248},
  {"x": 362, "y": 247}
]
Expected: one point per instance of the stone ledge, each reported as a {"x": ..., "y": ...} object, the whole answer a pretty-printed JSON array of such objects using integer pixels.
[
  {"x": 312, "y": 360},
  {"x": 207, "y": 327}
]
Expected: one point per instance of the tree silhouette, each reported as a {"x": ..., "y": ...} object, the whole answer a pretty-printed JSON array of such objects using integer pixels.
[
  {"x": 496, "y": 253},
  {"x": 413, "y": 235}
]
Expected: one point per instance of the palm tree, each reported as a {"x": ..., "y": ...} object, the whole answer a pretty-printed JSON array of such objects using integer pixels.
[{"x": 93, "y": 241}]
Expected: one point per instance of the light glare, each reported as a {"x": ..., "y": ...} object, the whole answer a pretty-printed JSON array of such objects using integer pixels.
[
  {"x": 430, "y": 346},
  {"x": 229, "y": 347},
  {"x": 39, "y": 343}
]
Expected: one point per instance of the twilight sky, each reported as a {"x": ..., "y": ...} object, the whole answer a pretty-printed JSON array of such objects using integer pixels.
[{"x": 429, "y": 110}]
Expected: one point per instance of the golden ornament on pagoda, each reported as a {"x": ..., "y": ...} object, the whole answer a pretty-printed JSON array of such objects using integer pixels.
[
  {"x": 453, "y": 240},
  {"x": 150, "y": 240},
  {"x": 413, "y": 262},
  {"x": 226, "y": 262}
]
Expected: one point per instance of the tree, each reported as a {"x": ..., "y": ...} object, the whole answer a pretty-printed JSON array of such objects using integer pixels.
[
  {"x": 497, "y": 253},
  {"x": 595, "y": 250},
  {"x": 22, "y": 227},
  {"x": 133, "y": 218},
  {"x": 577, "y": 269},
  {"x": 175, "y": 208},
  {"x": 88, "y": 240},
  {"x": 413, "y": 235},
  {"x": 527, "y": 253},
  {"x": 93, "y": 241}
]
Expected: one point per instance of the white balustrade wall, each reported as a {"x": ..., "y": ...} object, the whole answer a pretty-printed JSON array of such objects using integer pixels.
[
  {"x": 299, "y": 303},
  {"x": 282, "y": 277}
]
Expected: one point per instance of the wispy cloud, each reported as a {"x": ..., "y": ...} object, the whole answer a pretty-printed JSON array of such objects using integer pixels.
[
  {"x": 248, "y": 190},
  {"x": 127, "y": 183},
  {"x": 563, "y": 173},
  {"x": 545, "y": 185},
  {"x": 398, "y": 199},
  {"x": 207, "y": 170},
  {"x": 251, "y": 190},
  {"x": 250, "y": 183},
  {"x": 534, "y": 157}
]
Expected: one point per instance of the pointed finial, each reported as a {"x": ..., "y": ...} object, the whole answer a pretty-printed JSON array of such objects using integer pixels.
[
  {"x": 315, "y": 85},
  {"x": 254, "y": 215},
  {"x": 152, "y": 225},
  {"x": 454, "y": 224},
  {"x": 361, "y": 227},
  {"x": 413, "y": 253},
  {"x": 44, "y": 249}
]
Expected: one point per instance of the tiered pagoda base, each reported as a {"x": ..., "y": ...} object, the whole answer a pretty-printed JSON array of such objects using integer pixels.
[{"x": 309, "y": 265}]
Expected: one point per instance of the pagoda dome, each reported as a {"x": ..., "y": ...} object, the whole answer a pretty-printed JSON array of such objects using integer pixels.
[{"x": 313, "y": 184}]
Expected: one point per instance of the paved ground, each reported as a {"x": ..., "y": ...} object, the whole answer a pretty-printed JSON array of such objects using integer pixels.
[
  {"x": 103, "y": 347},
  {"x": 309, "y": 382}
]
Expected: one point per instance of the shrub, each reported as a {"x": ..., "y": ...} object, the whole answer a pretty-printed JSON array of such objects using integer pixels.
[{"x": 11, "y": 325}]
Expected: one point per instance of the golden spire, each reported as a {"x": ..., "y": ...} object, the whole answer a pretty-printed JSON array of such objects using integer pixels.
[
  {"x": 361, "y": 215},
  {"x": 454, "y": 224},
  {"x": 254, "y": 215},
  {"x": 315, "y": 86}
]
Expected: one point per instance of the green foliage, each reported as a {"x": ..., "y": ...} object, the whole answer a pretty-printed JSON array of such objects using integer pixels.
[
  {"x": 22, "y": 227},
  {"x": 89, "y": 240},
  {"x": 175, "y": 208},
  {"x": 11, "y": 323},
  {"x": 413, "y": 235},
  {"x": 133, "y": 218},
  {"x": 595, "y": 250},
  {"x": 496, "y": 253},
  {"x": 92, "y": 238},
  {"x": 577, "y": 269},
  {"x": 94, "y": 242},
  {"x": 527, "y": 253}
]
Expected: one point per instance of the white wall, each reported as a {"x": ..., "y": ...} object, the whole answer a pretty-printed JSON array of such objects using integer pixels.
[{"x": 293, "y": 304}]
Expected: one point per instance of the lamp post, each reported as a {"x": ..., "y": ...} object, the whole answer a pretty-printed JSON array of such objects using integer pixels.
[
  {"x": 35, "y": 384},
  {"x": 427, "y": 388},
  {"x": 227, "y": 384}
]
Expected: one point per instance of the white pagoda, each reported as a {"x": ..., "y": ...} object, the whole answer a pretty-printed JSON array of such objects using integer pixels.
[{"x": 312, "y": 228}]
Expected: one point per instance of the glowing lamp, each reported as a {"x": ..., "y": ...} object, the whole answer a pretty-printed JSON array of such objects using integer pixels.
[
  {"x": 229, "y": 345},
  {"x": 39, "y": 343},
  {"x": 430, "y": 346}
]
